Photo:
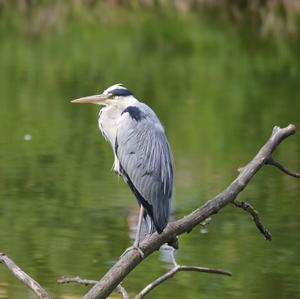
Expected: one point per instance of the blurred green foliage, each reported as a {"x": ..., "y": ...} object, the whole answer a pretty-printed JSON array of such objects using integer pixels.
[{"x": 267, "y": 17}]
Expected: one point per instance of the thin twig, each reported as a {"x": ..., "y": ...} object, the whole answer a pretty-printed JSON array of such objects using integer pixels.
[
  {"x": 24, "y": 277},
  {"x": 79, "y": 280},
  {"x": 248, "y": 208},
  {"x": 122, "y": 291},
  {"x": 173, "y": 257},
  {"x": 76, "y": 279},
  {"x": 177, "y": 268},
  {"x": 204, "y": 270},
  {"x": 271, "y": 161}
]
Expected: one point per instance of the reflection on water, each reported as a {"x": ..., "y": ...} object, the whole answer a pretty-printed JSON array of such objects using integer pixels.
[{"x": 63, "y": 212}]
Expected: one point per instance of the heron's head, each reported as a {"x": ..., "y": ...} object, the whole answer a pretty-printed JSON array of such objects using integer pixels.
[{"x": 111, "y": 95}]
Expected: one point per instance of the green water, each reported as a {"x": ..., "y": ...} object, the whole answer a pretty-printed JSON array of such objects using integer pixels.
[{"x": 218, "y": 92}]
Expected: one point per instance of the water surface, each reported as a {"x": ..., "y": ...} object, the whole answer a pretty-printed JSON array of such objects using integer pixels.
[{"x": 218, "y": 93}]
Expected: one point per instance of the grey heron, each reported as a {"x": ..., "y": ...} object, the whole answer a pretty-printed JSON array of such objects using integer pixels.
[{"x": 142, "y": 154}]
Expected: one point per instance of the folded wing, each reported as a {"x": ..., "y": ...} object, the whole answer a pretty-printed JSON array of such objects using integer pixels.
[{"x": 145, "y": 161}]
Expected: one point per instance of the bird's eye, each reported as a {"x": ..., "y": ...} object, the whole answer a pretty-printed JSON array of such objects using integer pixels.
[{"x": 111, "y": 96}]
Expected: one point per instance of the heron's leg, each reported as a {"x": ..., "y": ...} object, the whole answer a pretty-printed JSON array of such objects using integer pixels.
[
  {"x": 139, "y": 226},
  {"x": 137, "y": 237}
]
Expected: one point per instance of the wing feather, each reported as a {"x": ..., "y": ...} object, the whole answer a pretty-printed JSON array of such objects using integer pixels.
[{"x": 146, "y": 162}]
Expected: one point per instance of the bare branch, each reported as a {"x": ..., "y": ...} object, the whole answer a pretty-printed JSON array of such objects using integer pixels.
[
  {"x": 204, "y": 270},
  {"x": 122, "y": 291},
  {"x": 248, "y": 208},
  {"x": 177, "y": 268},
  {"x": 157, "y": 282},
  {"x": 79, "y": 280},
  {"x": 76, "y": 279},
  {"x": 271, "y": 161},
  {"x": 131, "y": 259},
  {"x": 173, "y": 257},
  {"x": 25, "y": 278}
]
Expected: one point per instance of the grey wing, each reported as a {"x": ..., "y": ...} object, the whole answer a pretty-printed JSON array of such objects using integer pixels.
[{"x": 146, "y": 164}]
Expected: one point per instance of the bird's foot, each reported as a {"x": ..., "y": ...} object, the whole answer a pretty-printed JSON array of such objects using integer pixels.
[{"x": 134, "y": 247}]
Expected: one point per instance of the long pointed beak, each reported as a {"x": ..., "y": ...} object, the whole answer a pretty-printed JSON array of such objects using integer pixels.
[{"x": 95, "y": 99}]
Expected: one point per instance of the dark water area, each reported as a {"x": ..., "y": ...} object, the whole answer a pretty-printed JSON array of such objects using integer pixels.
[{"x": 218, "y": 91}]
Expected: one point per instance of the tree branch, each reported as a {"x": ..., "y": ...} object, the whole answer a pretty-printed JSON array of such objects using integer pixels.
[
  {"x": 248, "y": 208},
  {"x": 131, "y": 259},
  {"x": 25, "y": 278},
  {"x": 271, "y": 161},
  {"x": 177, "y": 268}
]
